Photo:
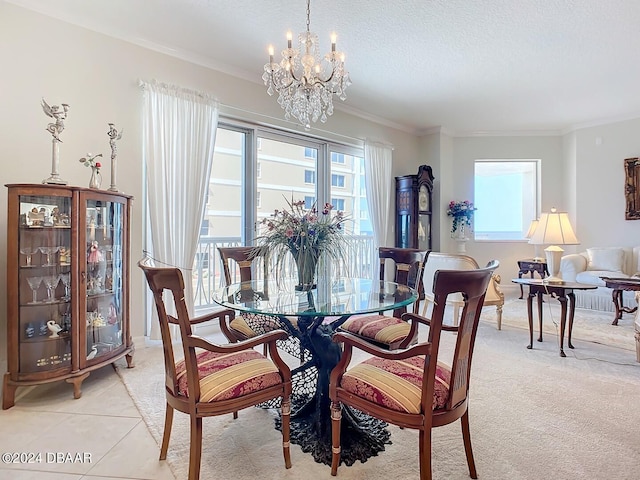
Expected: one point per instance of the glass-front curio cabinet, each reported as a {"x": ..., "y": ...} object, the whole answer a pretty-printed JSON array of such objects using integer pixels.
[{"x": 67, "y": 284}]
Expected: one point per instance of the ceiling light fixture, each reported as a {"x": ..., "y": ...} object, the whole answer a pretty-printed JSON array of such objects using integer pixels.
[{"x": 305, "y": 83}]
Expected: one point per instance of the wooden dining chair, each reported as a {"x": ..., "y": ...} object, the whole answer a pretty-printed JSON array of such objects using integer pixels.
[
  {"x": 386, "y": 331},
  {"x": 213, "y": 379},
  {"x": 414, "y": 387},
  {"x": 248, "y": 263},
  {"x": 252, "y": 264}
]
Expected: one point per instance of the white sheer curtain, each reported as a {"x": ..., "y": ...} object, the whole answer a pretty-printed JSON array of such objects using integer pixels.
[
  {"x": 378, "y": 182},
  {"x": 179, "y": 132}
]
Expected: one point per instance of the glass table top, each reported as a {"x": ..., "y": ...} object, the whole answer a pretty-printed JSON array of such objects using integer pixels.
[{"x": 337, "y": 297}]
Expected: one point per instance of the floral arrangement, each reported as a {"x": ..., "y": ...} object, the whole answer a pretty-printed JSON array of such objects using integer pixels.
[
  {"x": 90, "y": 161},
  {"x": 307, "y": 234},
  {"x": 462, "y": 213}
]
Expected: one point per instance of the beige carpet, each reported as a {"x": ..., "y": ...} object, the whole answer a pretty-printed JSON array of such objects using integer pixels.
[{"x": 533, "y": 414}]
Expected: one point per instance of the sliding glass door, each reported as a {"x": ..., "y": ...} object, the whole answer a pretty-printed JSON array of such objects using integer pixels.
[{"x": 256, "y": 171}]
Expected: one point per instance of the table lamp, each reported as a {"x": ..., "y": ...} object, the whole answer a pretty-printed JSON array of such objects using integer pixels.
[
  {"x": 530, "y": 232},
  {"x": 554, "y": 228}
]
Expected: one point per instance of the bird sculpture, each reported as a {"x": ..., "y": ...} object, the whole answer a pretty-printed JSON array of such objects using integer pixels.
[
  {"x": 54, "y": 328},
  {"x": 92, "y": 353}
]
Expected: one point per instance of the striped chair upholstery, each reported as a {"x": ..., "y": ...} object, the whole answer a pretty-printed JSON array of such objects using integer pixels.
[
  {"x": 214, "y": 379},
  {"x": 391, "y": 331},
  {"x": 411, "y": 387}
]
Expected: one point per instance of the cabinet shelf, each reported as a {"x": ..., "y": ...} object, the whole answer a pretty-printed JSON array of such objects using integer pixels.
[{"x": 100, "y": 291}]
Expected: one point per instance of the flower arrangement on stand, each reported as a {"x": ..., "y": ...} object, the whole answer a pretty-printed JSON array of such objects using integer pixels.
[
  {"x": 462, "y": 213},
  {"x": 308, "y": 234}
]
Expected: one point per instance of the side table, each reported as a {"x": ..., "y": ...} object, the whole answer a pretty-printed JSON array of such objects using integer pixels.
[
  {"x": 619, "y": 285},
  {"x": 562, "y": 292},
  {"x": 532, "y": 265}
]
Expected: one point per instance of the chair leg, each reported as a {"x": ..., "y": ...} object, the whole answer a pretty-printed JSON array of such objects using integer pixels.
[
  {"x": 195, "y": 450},
  {"x": 336, "y": 418},
  {"x": 466, "y": 437},
  {"x": 235, "y": 415},
  {"x": 168, "y": 422},
  {"x": 499, "y": 316},
  {"x": 425, "y": 454},
  {"x": 286, "y": 422}
]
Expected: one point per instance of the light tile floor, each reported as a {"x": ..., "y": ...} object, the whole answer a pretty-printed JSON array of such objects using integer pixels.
[{"x": 103, "y": 424}]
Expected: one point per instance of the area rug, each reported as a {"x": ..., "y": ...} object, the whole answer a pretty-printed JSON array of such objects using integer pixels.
[{"x": 533, "y": 415}]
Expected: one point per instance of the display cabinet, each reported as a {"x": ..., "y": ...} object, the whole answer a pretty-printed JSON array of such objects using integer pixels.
[
  {"x": 414, "y": 209},
  {"x": 67, "y": 284}
]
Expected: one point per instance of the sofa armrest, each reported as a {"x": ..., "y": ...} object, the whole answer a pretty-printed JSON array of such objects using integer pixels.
[{"x": 571, "y": 265}]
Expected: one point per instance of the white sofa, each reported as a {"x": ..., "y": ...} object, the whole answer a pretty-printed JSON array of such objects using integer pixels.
[
  {"x": 590, "y": 265},
  {"x": 450, "y": 261}
]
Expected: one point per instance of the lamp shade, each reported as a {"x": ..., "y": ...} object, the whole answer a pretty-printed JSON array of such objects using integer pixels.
[
  {"x": 532, "y": 229},
  {"x": 554, "y": 228}
]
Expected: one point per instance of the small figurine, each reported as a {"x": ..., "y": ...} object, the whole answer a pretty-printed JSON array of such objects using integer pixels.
[
  {"x": 92, "y": 353},
  {"x": 54, "y": 112},
  {"x": 54, "y": 328},
  {"x": 112, "y": 316},
  {"x": 63, "y": 255},
  {"x": 95, "y": 255}
]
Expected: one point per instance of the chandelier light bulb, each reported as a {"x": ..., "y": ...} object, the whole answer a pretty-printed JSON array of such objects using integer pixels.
[{"x": 304, "y": 81}]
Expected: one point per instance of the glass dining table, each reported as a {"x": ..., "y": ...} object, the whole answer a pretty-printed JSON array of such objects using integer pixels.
[{"x": 312, "y": 317}]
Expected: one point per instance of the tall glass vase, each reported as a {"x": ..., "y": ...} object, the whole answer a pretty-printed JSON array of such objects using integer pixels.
[{"x": 306, "y": 262}]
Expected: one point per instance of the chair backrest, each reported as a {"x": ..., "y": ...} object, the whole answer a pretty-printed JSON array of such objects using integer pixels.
[
  {"x": 472, "y": 284},
  {"x": 246, "y": 259},
  {"x": 446, "y": 261},
  {"x": 169, "y": 279},
  {"x": 408, "y": 265}
]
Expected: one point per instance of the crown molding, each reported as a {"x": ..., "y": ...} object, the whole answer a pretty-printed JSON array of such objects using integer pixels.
[{"x": 601, "y": 122}]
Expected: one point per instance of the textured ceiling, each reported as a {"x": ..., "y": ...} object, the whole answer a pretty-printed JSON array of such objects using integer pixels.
[{"x": 468, "y": 66}]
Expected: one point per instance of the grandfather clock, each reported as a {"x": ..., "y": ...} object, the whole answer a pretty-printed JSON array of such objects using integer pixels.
[{"x": 414, "y": 195}]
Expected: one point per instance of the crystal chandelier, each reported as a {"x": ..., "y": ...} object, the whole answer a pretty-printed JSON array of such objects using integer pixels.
[{"x": 305, "y": 83}]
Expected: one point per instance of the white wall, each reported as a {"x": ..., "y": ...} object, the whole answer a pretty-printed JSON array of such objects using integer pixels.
[
  {"x": 600, "y": 184},
  {"x": 468, "y": 149}
]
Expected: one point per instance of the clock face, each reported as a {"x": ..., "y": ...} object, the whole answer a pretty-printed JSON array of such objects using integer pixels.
[{"x": 423, "y": 198}]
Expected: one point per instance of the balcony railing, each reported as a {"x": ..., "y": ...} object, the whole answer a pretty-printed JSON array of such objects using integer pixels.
[{"x": 208, "y": 274}]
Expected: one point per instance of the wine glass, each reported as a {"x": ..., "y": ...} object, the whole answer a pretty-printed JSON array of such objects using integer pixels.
[
  {"x": 28, "y": 251},
  {"x": 50, "y": 281},
  {"x": 65, "y": 278},
  {"x": 34, "y": 283},
  {"x": 48, "y": 251}
]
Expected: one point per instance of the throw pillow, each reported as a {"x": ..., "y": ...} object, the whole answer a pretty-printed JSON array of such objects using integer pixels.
[{"x": 609, "y": 259}]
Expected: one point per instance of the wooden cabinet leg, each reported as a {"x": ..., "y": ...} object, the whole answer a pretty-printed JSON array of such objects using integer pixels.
[
  {"x": 77, "y": 384},
  {"x": 9, "y": 393},
  {"x": 129, "y": 359}
]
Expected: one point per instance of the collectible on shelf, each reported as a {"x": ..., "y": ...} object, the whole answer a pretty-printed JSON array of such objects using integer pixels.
[
  {"x": 113, "y": 136},
  {"x": 54, "y": 328},
  {"x": 59, "y": 114}
]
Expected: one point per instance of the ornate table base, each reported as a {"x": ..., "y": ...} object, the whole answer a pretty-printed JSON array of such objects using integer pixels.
[{"x": 362, "y": 436}]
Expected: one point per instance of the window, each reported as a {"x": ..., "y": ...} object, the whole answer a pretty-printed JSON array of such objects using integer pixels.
[
  {"x": 337, "y": 158},
  {"x": 337, "y": 180},
  {"x": 310, "y": 177},
  {"x": 506, "y": 196},
  {"x": 338, "y": 203},
  {"x": 310, "y": 152},
  {"x": 309, "y": 201},
  {"x": 247, "y": 184},
  {"x": 204, "y": 228}
]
